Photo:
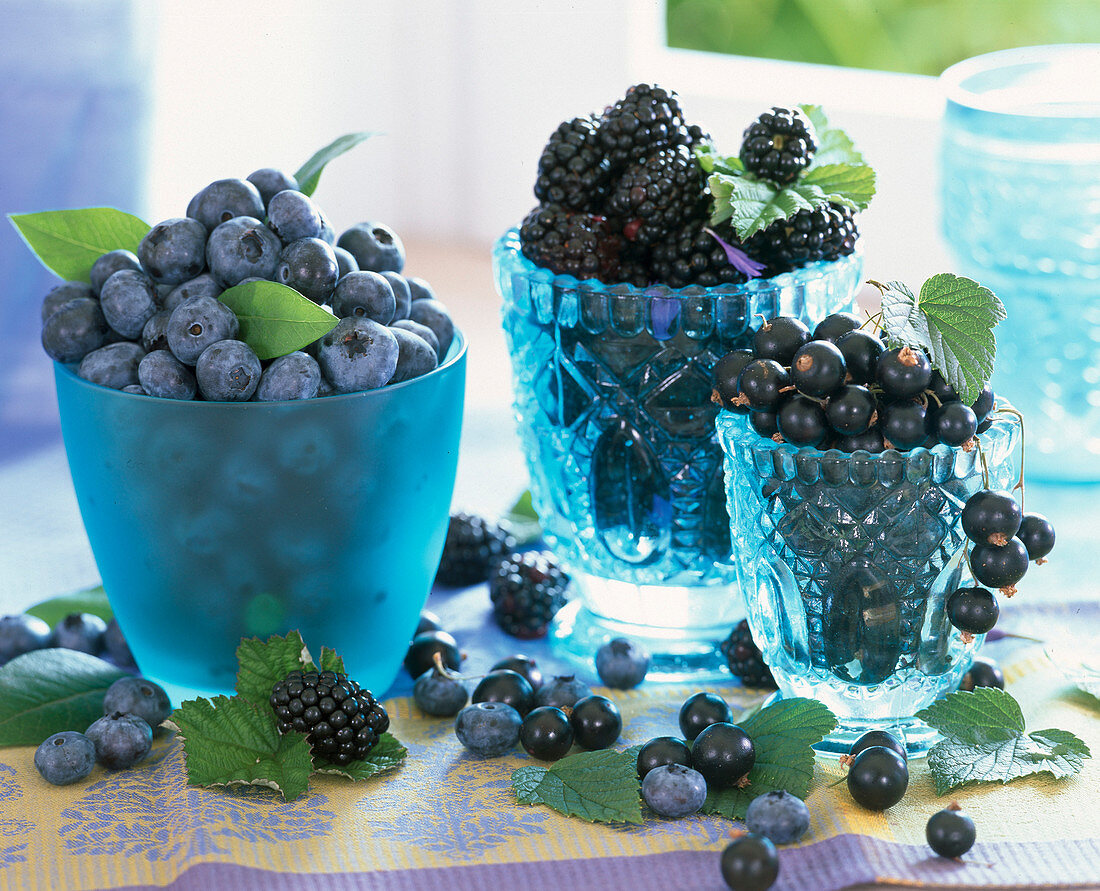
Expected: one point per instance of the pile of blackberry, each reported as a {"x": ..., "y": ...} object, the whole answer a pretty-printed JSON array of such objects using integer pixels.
[
  {"x": 527, "y": 590},
  {"x": 473, "y": 547},
  {"x": 745, "y": 659}
]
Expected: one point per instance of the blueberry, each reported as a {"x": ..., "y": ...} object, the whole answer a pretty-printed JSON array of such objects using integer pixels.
[
  {"x": 154, "y": 336},
  {"x": 524, "y": 666},
  {"x": 228, "y": 371},
  {"x": 422, "y": 331},
  {"x": 174, "y": 250},
  {"x": 74, "y": 330},
  {"x": 204, "y": 285},
  {"x": 293, "y": 376},
  {"x": 108, "y": 264},
  {"x": 135, "y": 390},
  {"x": 420, "y": 289},
  {"x": 504, "y": 685},
  {"x": 269, "y": 181},
  {"x": 779, "y": 816},
  {"x": 375, "y": 246},
  {"x": 116, "y": 646},
  {"x": 673, "y": 790},
  {"x": 293, "y": 215},
  {"x": 197, "y": 323},
  {"x": 61, "y": 294},
  {"x": 114, "y": 365},
  {"x": 224, "y": 199},
  {"x": 562, "y": 691},
  {"x": 597, "y": 722},
  {"x": 489, "y": 729},
  {"x": 20, "y": 634},
  {"x": 434, "y": 315},
  {"x": 328, "y": 234},
  {"x": 364, "y": 294},
  {"x": 65, "y": 758},
  {"x": 128, "y": 301},
  {"x": 750, "y": 863},
  {"x": 241, "y": 248},
  {"x": 701, "y": 710},
  {"x": 439, "y": 694},
  {"x": 120, "y": 740},
  {"x": 309, "y": 266},
  {"x": 163, "y": 375},
  {"x": 423, "y": 649},
  {"x": 345, "y": 262},
  {"x": 724, "y": 754},
  {"x": 80, "y": 631},
  {"x": 621, "y": 663},
  {"x": 358, "y": 354},
  {"x": 546, "y": 733},
  {"x": 138, "y": 696},
  {"x": 415, "y": 356},
  {"x": 662, "y": 750},
  {"x": 401, "y": 293}
]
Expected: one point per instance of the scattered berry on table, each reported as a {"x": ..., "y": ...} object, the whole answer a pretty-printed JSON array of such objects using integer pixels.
[
  {"x": 116, "y": 646},
  {"x": 80, "y": 631},
  {"x": 473, "y": 548},
  {"x": 120, "y": 740},
  {"x": 778, "y": 145},
  {"x": 439, "y": 693},
  {"x": 521, "y": 665},
  {"x": 983, "y": 672},
  {"x": 878, "y": 738},
  {"x": 423, "y": 649},
  {"x": 950, "y": 832},
  {"x": 750, "y": 863},
  {"x": 21, "y": 634},
  {"x": 674, "y": 791},
  {"x": 745, "y": 659},
  {"x": 621, "y": 663},
  {"x": 596, "y": 721},
  {"x": 662, "y": 750},
  {"x": 546, "y": 733},
  {"x": 779, "y": 816},
  {"x": 700, "y": 710},
  {"x": 65, "y": 758},
  {"x": 562, "y": 691},
  {"x": 138, "y": 696},
  {"x": 488, "y": 729},
  {"x": 527, "y": 590},
  {"x": 724, "y": 754},
  {"x": 504, "y": 685},
  {"x": 973, "y": 610},
  {"x": 878, "y": 778}
]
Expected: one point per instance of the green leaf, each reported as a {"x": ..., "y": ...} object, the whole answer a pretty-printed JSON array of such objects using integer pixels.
[
  {"x": 783, "y": 734},
  {"x": 834, "y": 146},
  {"x": 275, "y": 319},
  {"x": 522, "y": 522},
  {"x": 68, "y": 242},
  {"x": 901, "y": 319},
  {"x": 712, "y": 162},
  {"x": 329, "y": 661},
  {"x": 961, "y": 315},
  {"x": 231, "y": 742},
  {"x": 46, "y": 691},
  {"x": 309, "y": 174},
  {"x": 847, "y": 184},
  {"x": 89, "y": 600},
  {"x": 982, "y": 715},
  {"x": 753, "y": 205},
  {"x": 261, "y": 664},
  {"x": 525, "y": 783},
  {"x": 387, "y": 754},
  {"x": 600, "y": 787}
]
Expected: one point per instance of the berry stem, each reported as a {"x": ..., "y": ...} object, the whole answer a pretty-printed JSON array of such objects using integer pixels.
[{"x": 1020, "y": 482}]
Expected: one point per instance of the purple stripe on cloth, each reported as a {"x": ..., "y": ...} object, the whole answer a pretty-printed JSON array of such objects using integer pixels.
[{"x": 829, "y": 865}]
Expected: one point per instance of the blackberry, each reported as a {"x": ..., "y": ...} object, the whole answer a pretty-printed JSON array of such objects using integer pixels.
[
  {"x": 573, "y": 169},
  {"x": 473, "y": 546},
  {"x": 527, "y": 590},
  {"x": 570, "y": 243},
  {"x": 342, "y": 721},
  {"x": 690, "y": 255},
  {"x": 745, "y": 659},
  {"x": 646, "y": 117},
  {"x": 659, "y": 194},
  {"x": 841, "y": 237},
  {"x": 778, "y": 145},
  {"x": 823, "y": 233}
]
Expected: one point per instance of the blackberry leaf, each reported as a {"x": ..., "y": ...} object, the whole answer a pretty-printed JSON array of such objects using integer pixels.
[
  {"x": 850, "y": 185},
  {"x": 261, "y": 664},
  {"x": 329, "y": 661},
  {"x": 753, "y": 205},
  {"x": 834, "y": 146},
  {"x": 387, "y": 754},
  {"x": 68, "y": 242},
  {"x": 712, "y": 162},
  {"x": 600, "y": 786}
]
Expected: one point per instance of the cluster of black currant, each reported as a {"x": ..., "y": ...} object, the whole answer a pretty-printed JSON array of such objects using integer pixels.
[{"x": 840, "y": 387}]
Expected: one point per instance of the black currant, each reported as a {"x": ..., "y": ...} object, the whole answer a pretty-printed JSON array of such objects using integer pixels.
[
  {"x": 973, "y": 610},
  {"x": 818, "y": 369},
  {"x": 950, "y": 832},
  {"x": 861, "y": 352},
  {"x": 881, "y": 738},
  {"x": 429, "y": 621},
  {"x": 522, "y": 665},
  {"x": 802, "y": 421},
  {"x": 999, "y": 566},
  {"x": 779, "y": 339},
  {"x": 596, "y": 721},
  {"x": 660, "y": 751},
  {"x": 903, "y": 372},
  {"x": 869, "y": 441},
  {"x": 983, "y": 405},
  {"x": 726, "y": 372},
  {"x": 546, "y": 733},
  {"x": 421, "y": 654},
  {"x": 878, "y": 778},
  {"x": 766, "y": 423},
  {"x": 954, "y": 423},
  {"x": 941, "y": 389},
  {"x": 982, "y": 673},
  {"x": 902, "y": 425},
  {"x": 850, "y": 409},
  {"x": 508, "y": 687},
  {"x": 833, "y": 327},
  {"x": 991, "y": 516},
  {"x": 1037, "y": 534},
  {"x": 750, "y": 863},
  {"x": 700, "y": 710},
  {"x": 761, "y": 383},
  {"x": 723, "y": 754}
]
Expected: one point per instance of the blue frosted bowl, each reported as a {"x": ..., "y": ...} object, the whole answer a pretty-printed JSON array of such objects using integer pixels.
[{"x": 214, "y": 521}]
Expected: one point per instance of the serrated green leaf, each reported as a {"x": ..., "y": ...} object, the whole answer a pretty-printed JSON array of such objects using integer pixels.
[
  {"x": 329, "y": 661},
  {"x": 262, "y": 663},
  {"x": 712, "y": 162},
  {"x": 984, "y": 714},
  {"x": 901, "y": 319},
  {"x": 753, "y": 205},
  {"x": 68, "y": 242},
  {"x": 783, "y": 734},
  {"x": 231, "y": 742},
  {"x": 309, "y": 174},
  {"x": 961, "y": 315},
  {"x": 525, "y": 783},
  {"x": 275, "y": 319},
  {"x": 387, "y": 754},
  {"x": 522, "y": 522},
  {"x": 88, "y": 600},
  {"x": 600, "y": 787},
  {"x": 46, "y": 691},
  {"x": 847, "y": 184},
  {"x": 834, "y": 146}
]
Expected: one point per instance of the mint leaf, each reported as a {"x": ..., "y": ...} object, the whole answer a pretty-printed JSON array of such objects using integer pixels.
[
  {"x": 783, "y": 734},
  {"x": 985, "y": 741},
  {"x": 68, "y": 242},
  {"x": 961, "y": 315},
  {"x": 231, "y": 742},
  {"x": 600, "y": 787},
  {"x": 261, "y": 664},
  {"x": 46, "y": 691},
  {"x": 275, "y": 319},
  {"x": 847, "y": 184},
  {"x": 522, "y": 522},
  {"x": 387, "y": 754},
  {"x": 525, "y": 783},
  {"x": 309, "y": 174},
  {"x": 89, "y": 600},
  {"x": 753, "y": 205}
]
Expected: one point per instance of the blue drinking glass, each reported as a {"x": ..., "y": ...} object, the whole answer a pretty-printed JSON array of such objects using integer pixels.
[
  {"x": 846, "y": 561},
  {"x": 213, "y": 521},
  {"x": 612, "y": 387},
  {"x": 1020, "y": 165}
]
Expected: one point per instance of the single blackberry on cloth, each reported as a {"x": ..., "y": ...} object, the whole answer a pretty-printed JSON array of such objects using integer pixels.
[
  {"x": 343, "y": 721},
  {"x": 659, "y": 194},
  {"x": 472, "y": 548},
  {"x": 646, "y": 117},
  {"x": 570, "y": 243},
  {"x": 778, "y": 145},
  {"x": 527, "y": 590},
  {"x": 573, "y": 170},
  {"x": 745, "y": 659}
]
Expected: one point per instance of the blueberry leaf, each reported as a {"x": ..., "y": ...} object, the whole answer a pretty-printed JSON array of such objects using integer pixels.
[
  {"x": 89, "y": 600},
  {"x": 68, "y": 242},
  {"x": 387, "y": 754},
  {"x": 262, "y": 664},
  {"x": 309, "y": 174},
  {"x": 600, "y": 787},
  {"x": 46, "y": 691},
  {"x": 783, "y": 734},
  {"x": 276, "y": 320},
  {"x": 232, "y": 742}
]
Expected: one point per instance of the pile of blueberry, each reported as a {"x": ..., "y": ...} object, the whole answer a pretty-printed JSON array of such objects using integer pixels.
[
  {"x": 132, "y": 707},
  {"x": 152, "y": 322},
  {"x": 84, "y": 632}
]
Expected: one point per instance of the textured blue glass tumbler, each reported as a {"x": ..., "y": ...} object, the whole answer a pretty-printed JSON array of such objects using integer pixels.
[
  {"x": 845, "y": 562},
  {"x": 1020, "y": 165},
  {"x": 214, "y": 521},
  {"x": 612, "y": 387}
]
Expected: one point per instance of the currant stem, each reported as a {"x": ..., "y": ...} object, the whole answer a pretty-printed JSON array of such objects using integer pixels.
[{"x": 1020, "y": 482}]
